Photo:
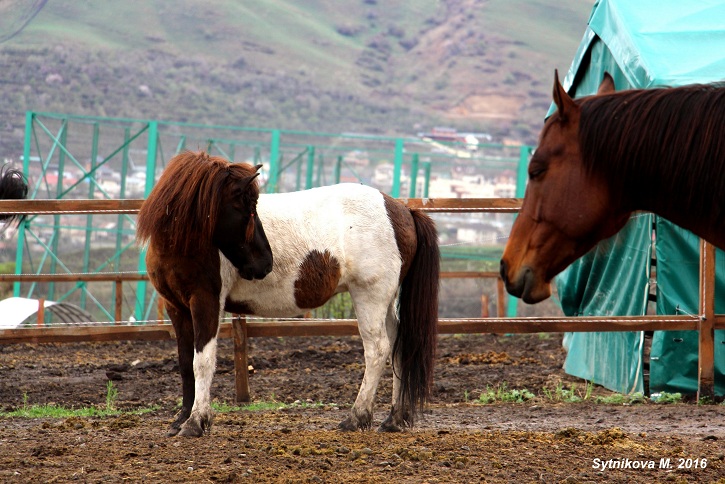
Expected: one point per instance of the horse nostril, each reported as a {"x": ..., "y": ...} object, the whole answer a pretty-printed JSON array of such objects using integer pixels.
[{"x": 503, "y": 271}]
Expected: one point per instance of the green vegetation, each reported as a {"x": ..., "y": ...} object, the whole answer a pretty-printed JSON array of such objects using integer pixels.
[
  {"x": 366, "y": 66},
  {"x": 338, "y": 307},
  {"x": 665, "y": 398},
  {"x": 503, "y": 394},
  {"x": 619, "y": 399},
  {"x": 560, "y": 394},
  {"x": 110, "y": 409},
  {"x": 57, "y": 411},
  {"x": 111, "y": 396},
  {"x": 568, "y": 395},
  {"x": 498, "y": 394},
  {"x": 263, "y": 406},
  {"x": 6, "y": 288}
]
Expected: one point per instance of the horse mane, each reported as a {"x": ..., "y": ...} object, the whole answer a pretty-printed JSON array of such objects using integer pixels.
[
  {"x": 651, "y": 144},
  {"x": 181, "y": 211},
  {"x": 13, "y": 186}
]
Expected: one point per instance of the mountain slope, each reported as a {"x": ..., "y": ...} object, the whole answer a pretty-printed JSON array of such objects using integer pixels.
[{"x": 389, "y": 66}]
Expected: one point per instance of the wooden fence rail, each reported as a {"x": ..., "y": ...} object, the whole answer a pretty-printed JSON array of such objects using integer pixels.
[
  {"x": 705, "y": 322},
  {"x": 118, "y": 278}
]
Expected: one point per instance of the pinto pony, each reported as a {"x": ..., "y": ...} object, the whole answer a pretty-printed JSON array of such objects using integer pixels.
[
  {"x": 602, "y": 157},
  {"x": 13, "y": 186},
  {"x": 342, "y": 238}
]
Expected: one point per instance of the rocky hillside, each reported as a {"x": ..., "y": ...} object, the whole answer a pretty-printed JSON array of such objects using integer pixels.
[{"x": 394, "y": 66}]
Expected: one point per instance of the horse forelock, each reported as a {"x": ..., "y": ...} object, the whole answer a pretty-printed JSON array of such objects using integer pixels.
[
  {"x": 651, "y": 143},
  {"x": 182, "y": 209},
  {"x": 237, "y": 174}
]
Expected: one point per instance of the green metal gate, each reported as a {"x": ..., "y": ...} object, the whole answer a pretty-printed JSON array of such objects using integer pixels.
[{"x": 67, "y": 156}]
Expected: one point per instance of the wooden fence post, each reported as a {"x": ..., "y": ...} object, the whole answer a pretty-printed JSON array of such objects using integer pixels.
[
  {"x": 241, "y": 368},
  {"x": 706, "y": 330},
  {"x": 500, "y": 298},
  {"x": 484, "y": 306},
  {"x": 41, "y": 312},
  {"x": 119, "y": 301}
]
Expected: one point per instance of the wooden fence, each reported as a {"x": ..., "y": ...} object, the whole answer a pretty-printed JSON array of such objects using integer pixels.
[{"x": 705, "y": 322}]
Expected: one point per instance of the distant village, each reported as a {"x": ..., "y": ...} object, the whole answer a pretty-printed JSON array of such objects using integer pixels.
[{"x": 459, "y": 178}]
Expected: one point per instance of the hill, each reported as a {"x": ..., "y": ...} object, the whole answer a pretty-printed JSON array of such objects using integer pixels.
[{"x": 388, "y": 67}]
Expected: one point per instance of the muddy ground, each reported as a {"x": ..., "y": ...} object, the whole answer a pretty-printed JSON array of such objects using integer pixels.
[{"x": 456, "y": 440}]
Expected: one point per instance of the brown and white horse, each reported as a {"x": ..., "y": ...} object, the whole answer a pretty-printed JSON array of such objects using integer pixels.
[
  {"x": 602, "y": 157},
  {"x": 342, "y": 238}
]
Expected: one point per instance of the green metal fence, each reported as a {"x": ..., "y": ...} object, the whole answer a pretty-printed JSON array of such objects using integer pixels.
[{"x": 67, "y": 156}]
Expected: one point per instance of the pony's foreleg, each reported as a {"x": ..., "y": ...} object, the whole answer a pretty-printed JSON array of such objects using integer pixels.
[
  {"x": 184, "y": 330},
  {"x": 205, "y": 314},
  {"x": 399, "y": 417},
  {"x": 377, "y": 348}
]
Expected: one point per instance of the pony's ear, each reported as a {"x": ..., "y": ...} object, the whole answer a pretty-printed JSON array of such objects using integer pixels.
[
  {"x": 248, "y": 181},
  {"x": 257, "y": 167},
  {"x": 607, "y": 85},
  {"x": 564, "y": 103}
]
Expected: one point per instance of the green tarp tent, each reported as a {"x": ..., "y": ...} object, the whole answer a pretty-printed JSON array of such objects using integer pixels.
[{"x": 644, "y": 44}]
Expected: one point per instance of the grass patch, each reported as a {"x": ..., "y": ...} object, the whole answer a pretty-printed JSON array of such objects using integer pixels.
[
  {"x": 58, "y": 411},
  {"x": 111, "y": 396},
  {"x": 223, "y": 407},
  {"x": 110, "y": 409},
  {"x": 666, "y": 398},
  {"x": 264, "y": 406},
  {"x": 503, "y": 394},
  {"x": 568, "y": 395},
  {"x": 619, "y": 399}
]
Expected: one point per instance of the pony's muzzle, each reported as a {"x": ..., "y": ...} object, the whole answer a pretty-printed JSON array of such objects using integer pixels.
[
  {"x": 525, "y": 285},
  {"x": 267, "y": 270},
  {"x": 257, "y": 272},
  {"x": 513, "y": 289}
]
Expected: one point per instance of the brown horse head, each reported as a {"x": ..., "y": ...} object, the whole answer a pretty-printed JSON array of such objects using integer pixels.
[
  {"x": 566, "y": 208},
  {"x": 239, "y": 233},
  {"x": 203, "y": 202}
]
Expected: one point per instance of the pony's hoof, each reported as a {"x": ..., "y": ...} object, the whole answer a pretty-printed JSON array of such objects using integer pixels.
[
  {"x": 191, "y": 431},
  {"x": 357, "y": 421},
  {"x": 195, "y": 428},
  {"x": 178, "y": 422},
  {"x": 389, "y": 427},
  {"x": 347, "y": 425}
]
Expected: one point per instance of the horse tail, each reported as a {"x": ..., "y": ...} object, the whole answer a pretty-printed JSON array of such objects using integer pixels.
[
  {"x": 415, "y": 344},
  {"x": 13, "y": 186}
]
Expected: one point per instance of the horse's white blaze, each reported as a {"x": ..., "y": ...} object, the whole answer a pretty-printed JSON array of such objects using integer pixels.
[{"x": 349, "y": 221}]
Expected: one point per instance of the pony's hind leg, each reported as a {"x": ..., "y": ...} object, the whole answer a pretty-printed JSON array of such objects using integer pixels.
[
  {"x": 181, "y": 320},
  {"x": 205, "y": 315},
  {"x": 399, "y": 417},
  {"x": 377, "y": 348}
]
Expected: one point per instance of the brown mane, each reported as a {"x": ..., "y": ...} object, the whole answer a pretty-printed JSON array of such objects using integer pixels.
[
  {"x": 649, "y": 144},
  {"x": 13, "y": 186},
  {"x": 181, "y": 211}
]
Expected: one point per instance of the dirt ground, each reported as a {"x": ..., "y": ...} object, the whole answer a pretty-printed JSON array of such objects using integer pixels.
[{"x": 456, "y": 440}]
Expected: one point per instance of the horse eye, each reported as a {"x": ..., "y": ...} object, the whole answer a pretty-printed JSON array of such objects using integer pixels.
[{"x": 536, "y": 173}]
